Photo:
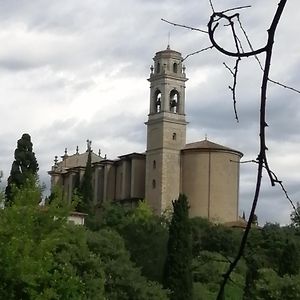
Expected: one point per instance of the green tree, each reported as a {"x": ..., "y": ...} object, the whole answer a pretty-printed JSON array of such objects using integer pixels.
[
  {"x": 289, "y": 262},
  {"x": 123, "y": 279},
  {"x": 86, "y": 187},
  {"x": 178, "y": 274},
  {"x": 273, "y": 287},
  {"x": 24, "y": 166},
  {"x": 146, "y": 237},
  {"x": 42, "y": 256},
  {"x": 208, "y": 268},
  {"x": 145, "y": 234}
]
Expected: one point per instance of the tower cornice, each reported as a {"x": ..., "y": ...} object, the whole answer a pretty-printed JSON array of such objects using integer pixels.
[{"x": 154, "y": 77}]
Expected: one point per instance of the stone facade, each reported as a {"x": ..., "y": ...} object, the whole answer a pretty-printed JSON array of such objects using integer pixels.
[{"x": 206, "y": 172}]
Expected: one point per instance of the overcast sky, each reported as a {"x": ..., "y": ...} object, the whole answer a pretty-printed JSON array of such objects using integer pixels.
[{"x": 74, "y": 70}]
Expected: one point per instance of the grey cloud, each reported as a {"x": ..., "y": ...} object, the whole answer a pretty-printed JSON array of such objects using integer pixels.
[{"x": 80, "y": 40}]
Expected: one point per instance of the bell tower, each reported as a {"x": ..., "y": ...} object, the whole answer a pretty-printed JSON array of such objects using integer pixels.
[{"x": 166, "y": 129}]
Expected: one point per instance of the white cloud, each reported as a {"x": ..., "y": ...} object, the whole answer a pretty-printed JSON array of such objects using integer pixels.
[{"x": 74, "y": 70}]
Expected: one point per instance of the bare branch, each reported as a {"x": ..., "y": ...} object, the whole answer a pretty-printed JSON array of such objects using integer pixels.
[
  {"x": 276, "y": 180},
  {"x": 243, "y": 162},
  {"x": 284, "y": 86},
  {"x": 228, "y": 68},
  {"x": 196, "y": 52},
  {"x": 184, "y": 26},
  {"x": 261, "y": 161},
  {"x": 236, "y": 8},
  {"x": 213, "y": 25},
  {"x": 260, "y": 65},
  {"x": 234, "y": 73},
  {"x": 262, "y": 157},
  {"x": 285, "y": 193},
  {"x": 211, "y": 5}
]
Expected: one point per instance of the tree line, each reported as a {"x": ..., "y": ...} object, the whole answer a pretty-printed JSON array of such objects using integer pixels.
[{"x": 130, "y": 253}]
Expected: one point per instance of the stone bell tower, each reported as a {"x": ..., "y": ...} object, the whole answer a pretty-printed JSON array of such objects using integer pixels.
[{"x": 166, "y": 129}]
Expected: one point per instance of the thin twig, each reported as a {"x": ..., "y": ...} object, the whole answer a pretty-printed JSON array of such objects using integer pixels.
[
  {"x": 228, "y": 68},
  {"x": 196, "y": 52},
  {"x": 260, "y": 65},
  {"x": 284, "y": 86},
  {"x": 275, "y": 180},
  {"x": 236, "y": 8},
  {"x": 211, "y": 5},
  {"x": 240, "y": 44},
  {"x": 248, "y": 41},
  {"x": 239, "y": 48},
  {"x": 286, "y": 193},
  {"x": 183, "y": 26},
  {"x": 213, "y": 25},
  {"x": 233, "y": 87}
]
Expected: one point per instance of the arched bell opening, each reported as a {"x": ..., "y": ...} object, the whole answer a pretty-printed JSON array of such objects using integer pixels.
[
  {"x": 174, "y": 101},
  {"x": 157, "y": 101}
]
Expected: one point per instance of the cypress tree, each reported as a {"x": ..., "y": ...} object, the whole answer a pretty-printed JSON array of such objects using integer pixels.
[
  {"x": 24, "y": 166},
  {"x": 178, "y": 274},
  {"x": 86, "y": 188}
]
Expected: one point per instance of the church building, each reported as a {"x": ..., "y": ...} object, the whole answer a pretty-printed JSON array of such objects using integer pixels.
[{"x": 206, "y": 172}]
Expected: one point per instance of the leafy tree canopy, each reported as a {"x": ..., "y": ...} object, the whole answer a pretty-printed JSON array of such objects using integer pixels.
[{"x": 42, "y": 256}]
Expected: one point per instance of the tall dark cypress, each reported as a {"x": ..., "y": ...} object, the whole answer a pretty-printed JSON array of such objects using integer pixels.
[
  {"x": 86, "y": 187},
  {"x": 178, "y": 271},
  {"x": 24, "y": 166}
]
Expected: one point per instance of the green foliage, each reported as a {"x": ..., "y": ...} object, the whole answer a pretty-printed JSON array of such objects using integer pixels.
[
  {"x": 123, "y": 279},
  {"x": 253, "y": 264},
  {"x": 273, "y": 241},
  {"x": 110, "y": 214},
  {"x": 146, "y": 237},
  {"x": 221, "y": 239},
  {"x": 214, "y": 237},
  {"x": 208, "y": 268},
  {"x": 289, "y": 262},
  {"x": 178, "y": 271},
  {"x": 41, "y": 255},
  {"x": 145, "y": 234},
  {"x": 24, "y": 166},
  {"x": 273, "y": 287},
  {"x": 44, "y": 257}
]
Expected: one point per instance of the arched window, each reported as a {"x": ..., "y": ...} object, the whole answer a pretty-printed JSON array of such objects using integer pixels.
[
  {"x": 154, "y": 164},
  {"x": 153, "y": 184},
  {"x": 157, "y": 68},
  {"x": 175, "y": 67},
  {"x": 174, "y": 101},
  {"x": 157, "y": 101}
]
